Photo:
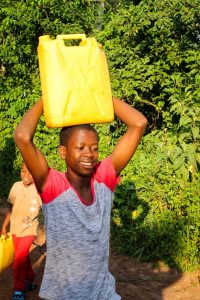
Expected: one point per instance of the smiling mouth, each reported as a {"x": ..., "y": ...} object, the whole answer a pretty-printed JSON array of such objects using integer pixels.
[
  {"x": 26, "y": 179},
  {"x": 88, "y": 165}
]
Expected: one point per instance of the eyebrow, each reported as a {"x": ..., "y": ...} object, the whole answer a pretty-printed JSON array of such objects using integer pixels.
[{"x": 82, "y": 144}]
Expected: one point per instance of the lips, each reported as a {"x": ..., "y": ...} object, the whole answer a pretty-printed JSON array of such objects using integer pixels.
[
  {"x": 26, "y": 179},
  {"x": 87, "y": 165}
]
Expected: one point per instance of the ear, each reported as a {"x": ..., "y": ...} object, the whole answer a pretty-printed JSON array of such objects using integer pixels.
[{"x": 62, "y": 151}]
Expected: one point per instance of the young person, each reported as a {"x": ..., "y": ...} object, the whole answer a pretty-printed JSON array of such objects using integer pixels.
[
  {"x": 77, "y": 204},
  {"x": 25, "y": 204}
]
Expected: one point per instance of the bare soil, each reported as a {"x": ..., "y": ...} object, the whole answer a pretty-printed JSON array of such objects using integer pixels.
[{"x": 135, "y": 280}]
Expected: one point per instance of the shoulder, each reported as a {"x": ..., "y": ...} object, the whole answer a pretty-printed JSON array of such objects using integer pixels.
[
  {"x": 32, "y": 190},
  {"x": 55, "y": 176},
  {"x": 55, "y": 185},
  {"x": 16, "y": 186},
  {"x": 15, "y": 191},
  {"x": 105, "y": 173}
]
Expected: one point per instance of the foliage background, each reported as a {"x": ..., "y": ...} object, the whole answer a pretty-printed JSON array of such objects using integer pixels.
[{"x": 153, "y": 55}]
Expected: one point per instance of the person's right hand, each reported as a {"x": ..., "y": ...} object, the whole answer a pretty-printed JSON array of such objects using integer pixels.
[{"x": 4, "y": 231}]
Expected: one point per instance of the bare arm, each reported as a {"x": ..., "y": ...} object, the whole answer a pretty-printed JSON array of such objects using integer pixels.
[
  {"x": 6, "y": 222},
  {"x": 33, "y": 157},
  {"x": 126, "y": 146}
]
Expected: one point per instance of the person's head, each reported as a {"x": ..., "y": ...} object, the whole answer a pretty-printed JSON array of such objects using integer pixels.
[
  {"x": 79, "y": 148},
  {"x": 26, "y": 176}
]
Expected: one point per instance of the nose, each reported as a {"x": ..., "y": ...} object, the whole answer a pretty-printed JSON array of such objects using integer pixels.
[{"x": 88, "y": 152}]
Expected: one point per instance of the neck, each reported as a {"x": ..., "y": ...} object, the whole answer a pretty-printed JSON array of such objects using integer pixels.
[
  {"x": 78, "y": 182},
  {"x": 82, "y": 184}
]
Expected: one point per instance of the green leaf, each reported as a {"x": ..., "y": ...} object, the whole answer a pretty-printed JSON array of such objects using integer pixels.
[
  {"x": 178, "y": 162},
  {"x": 195, "y": 132},
  {"x": 184, "y": 120}
]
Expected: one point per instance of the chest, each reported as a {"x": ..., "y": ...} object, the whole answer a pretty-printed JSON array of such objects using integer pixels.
[
  {"x": 86, "y": 195},
  {"x": 26, "y": 199},
  {"x": 70, "y": 211}
]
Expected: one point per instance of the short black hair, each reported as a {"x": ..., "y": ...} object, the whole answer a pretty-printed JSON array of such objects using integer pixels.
[{"x": 66, "y": 132}]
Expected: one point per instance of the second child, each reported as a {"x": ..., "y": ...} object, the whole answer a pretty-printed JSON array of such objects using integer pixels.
[{"x": 22, "y": 216}]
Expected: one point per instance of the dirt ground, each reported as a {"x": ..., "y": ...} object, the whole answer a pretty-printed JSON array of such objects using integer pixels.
[{"x": 135, "y": 280}]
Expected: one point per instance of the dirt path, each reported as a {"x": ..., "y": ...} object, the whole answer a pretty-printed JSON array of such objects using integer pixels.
[{"x": 135, "y": 281}]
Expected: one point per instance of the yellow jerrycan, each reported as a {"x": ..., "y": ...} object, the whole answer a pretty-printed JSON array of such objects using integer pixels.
[
  {"x": 6, "y": 252},
  {"x": 75, "y": 81}
]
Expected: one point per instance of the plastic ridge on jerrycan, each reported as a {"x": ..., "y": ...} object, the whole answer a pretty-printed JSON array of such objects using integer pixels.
[{"x": 75, "y": 81}]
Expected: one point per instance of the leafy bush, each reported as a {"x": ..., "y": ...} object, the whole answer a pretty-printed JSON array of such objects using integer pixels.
[
  {"x": 153, "y": 54},
  {"x": 22, "y": 23},
  {"x": 156, "y": 208}
]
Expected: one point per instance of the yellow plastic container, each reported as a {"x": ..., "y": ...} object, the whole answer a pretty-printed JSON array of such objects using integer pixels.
[
  {"x": 75, "y": 81},
  {"x": 6, "y": 252}
]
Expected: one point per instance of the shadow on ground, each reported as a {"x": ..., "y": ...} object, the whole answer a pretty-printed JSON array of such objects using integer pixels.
[{"x": 135, "y": 280}]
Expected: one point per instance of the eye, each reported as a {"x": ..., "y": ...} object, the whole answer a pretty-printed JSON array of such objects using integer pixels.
[
  {"x": 80, "y": 148},
  {"x": 95, "y": 148}
]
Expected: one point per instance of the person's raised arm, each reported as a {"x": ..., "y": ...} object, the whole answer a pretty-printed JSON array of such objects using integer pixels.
[
  {"x": 33, "y": 157},
  {"x": 127, "y": 144}
]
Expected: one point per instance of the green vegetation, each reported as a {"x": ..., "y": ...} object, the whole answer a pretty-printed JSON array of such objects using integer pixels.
[{"x": 153, "y": 54}]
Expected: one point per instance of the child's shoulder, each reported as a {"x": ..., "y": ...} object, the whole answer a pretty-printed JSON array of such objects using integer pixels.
[
  {"x": 16, "y": 189},
  {"x": 17, "y": 184},
  {"x": 103, "y": 163},
  {"x": 57, "y": 173},
  {"x": 105, "y": 173},
  {"x": 56, "y": 184}
]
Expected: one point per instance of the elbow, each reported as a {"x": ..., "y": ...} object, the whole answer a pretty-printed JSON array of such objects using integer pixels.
[
  {"x": 21, "y": 138},
  {"x": 142, "y": 124}
]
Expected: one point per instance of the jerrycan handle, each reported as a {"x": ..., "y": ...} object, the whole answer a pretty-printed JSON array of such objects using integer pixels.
[{"x": 71, "y": 37}]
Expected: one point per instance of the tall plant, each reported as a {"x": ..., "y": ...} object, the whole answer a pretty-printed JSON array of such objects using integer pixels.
[
  {"x": 153, "y": 54},
  {"x": 22, "y": 22}
]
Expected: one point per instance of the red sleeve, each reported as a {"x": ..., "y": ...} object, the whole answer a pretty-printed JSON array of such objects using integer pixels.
[
  {"x": 55, "y": 185},
  {"x": 105, "y": 173}
]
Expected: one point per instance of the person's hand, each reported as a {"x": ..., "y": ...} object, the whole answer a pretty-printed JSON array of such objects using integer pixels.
[{"x": 4, "y": 231}]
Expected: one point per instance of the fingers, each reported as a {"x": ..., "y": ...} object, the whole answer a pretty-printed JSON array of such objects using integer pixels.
[{"x": 4, "y": 232}]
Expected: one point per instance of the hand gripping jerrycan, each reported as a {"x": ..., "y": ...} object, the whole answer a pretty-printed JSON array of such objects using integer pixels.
[
  {"x": 6, "y": 252},
  {"x": 75, "y": 81}
]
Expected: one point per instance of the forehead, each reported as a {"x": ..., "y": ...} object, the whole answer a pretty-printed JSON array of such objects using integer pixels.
[{"x": 83, "y": 136}]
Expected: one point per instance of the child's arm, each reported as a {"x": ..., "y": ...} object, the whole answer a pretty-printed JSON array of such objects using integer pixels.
[
  {"x": 6, "y": 222},
  {"x": 33, "y": 157},
  {"x": 126, "y": 146}
]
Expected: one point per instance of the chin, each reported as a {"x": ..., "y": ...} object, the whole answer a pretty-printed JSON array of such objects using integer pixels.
[
  {"x": 27, "y": 182},
  {"x": 87, "y": 173}
]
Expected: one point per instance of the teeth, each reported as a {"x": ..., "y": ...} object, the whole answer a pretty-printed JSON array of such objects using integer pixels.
[{"x": 86, "y": 163}]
